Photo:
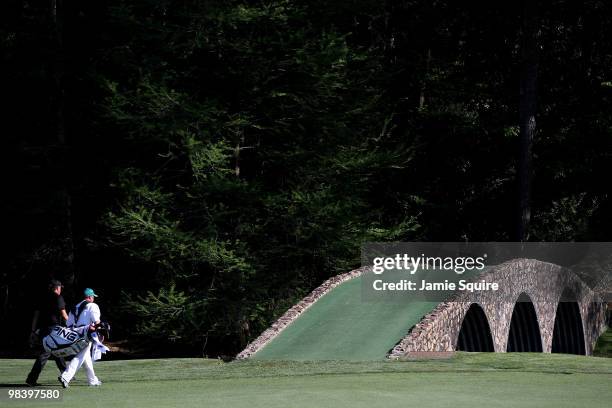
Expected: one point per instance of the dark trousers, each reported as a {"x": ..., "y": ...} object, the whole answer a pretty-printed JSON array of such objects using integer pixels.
[{"x": 40, "y": 362}]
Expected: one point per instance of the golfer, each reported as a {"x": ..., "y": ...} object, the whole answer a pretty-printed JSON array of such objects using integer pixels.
[
  {"x": 86, "y": 313},
  {"x": 50, "y": 311}
]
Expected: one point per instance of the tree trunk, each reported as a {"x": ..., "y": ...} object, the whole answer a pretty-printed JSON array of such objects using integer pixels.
[
  {"x": 64, "y": 212},
  {"x": 424, "y": 81},
  {"x": 527, "y": 112},
  {"x": 237, "y": 154}
]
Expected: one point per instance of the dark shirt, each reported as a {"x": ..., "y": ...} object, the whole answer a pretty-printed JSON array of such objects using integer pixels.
[{"x": 49, "y": 308}]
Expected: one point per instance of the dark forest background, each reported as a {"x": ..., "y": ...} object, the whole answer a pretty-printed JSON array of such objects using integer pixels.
[{"x": 204, "y": 164}]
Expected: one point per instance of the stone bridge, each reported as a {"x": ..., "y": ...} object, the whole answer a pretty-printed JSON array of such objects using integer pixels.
[{"x": 542, "y": 308}]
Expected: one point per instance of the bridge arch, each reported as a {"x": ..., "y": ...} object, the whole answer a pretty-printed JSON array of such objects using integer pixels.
[
  {"x": 568, "y": 333},
  {"x": 524, "y": 334},
  {"x": 475, "y": 333},
  {"x": 534, "y": 320}
]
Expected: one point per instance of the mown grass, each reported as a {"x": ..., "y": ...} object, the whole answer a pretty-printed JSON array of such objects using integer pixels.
[
  {"x": 465, "y": 380},
  {"x": 604, "y": 345}
]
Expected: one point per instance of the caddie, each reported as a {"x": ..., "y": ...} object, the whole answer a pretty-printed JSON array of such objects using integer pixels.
[{"x": 85, "y": 313}]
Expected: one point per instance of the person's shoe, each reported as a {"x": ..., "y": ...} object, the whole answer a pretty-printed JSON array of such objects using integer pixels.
[
  {"x": 63, "y": 382},
  {"x": 96, "y": 384},
  {"x": 31, "y": 383}
]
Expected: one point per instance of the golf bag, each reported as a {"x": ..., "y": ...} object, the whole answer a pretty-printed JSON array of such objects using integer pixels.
[
  {"x": 66, "y": 342},
  {"x": 69, "y": 341}
]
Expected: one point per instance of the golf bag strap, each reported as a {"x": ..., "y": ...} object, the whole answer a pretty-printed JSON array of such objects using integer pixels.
[{"x": 77, "y": 310}]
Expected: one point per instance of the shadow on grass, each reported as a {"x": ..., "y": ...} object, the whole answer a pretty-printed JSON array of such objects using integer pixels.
[{"x": 12, "y": 385}]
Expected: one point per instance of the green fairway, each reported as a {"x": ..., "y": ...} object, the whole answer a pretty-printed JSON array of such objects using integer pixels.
[
  {"x": 604, "y": 345},
  {"x": 342, "y": 326},
  {"x": 466, "y": 380}
]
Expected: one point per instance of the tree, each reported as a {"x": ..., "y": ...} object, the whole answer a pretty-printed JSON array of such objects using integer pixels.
[{"x": 527, "y": 114}]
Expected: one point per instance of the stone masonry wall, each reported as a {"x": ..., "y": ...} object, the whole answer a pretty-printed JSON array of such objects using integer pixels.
[{"x": 543, "y": 282}]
